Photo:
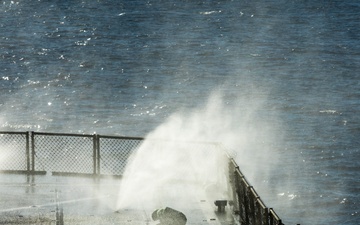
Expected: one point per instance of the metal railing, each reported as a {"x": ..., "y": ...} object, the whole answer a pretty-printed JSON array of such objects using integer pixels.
[
  {"x": 84, "y": 154},
  {"x": 14, "y": 154},
  {"x": 247, "y": 204},
  {"x": 37, "y": 152}
]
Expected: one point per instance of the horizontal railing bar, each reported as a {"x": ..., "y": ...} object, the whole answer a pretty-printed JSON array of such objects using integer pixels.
[
  {"x": 14, "y": 171},
  {"x": 246, "y": 183},
  {"x": 240, "y": 174},
  {"x": 142, "y": 138},
  {"x": 273, "y": 213},
  {"x": 183, "y": 141},
  {"x": 121, "y": 137},
  {"x": 23, "y": 172},
  {"x": 261, "y": 203},
  {"x": 255, "y": 194},
  {"x": 232, "y": 160},
  {"x": 63, "y": 134},
  {"x": 12, "y": 132}
]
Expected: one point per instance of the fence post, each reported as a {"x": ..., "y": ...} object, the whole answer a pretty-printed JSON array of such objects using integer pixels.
[
  {"x": 274, "y": 218},
  {"x": 262, "y": 212},
  {"x": 94, "y": 154},
  {"x": 27, "y": 152},
  {"x": 98, "y": 153},
  {"x": 32, "y": 135},
  {"x": 239, "y": 194}
]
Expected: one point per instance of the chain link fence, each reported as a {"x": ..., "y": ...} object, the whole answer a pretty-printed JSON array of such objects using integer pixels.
[
  {"x": 14, "y": 155},
  {"x": 114, "y": 153},
  {"x": 35, "y": 152},
  {"x": 89, "y": 154},
  {"x": 63, "y": 153}
]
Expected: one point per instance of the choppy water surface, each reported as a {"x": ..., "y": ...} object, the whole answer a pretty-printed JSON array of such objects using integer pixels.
[{"x": 123, "y": 67}]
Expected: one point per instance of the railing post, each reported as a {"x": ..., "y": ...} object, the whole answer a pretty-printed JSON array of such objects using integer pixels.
[
  {"x": 250, "y": 204},
  {"x": 245, "y": 194},
  {"x": 232, "y": 174},
  {"x": 98, "y": 153},
  {"x": 32, "y": 135},
  {"x": 271, "y": 218},
  {"x": 27, "y": 152},
  {"x": 274, "y": 218},
  {"x": 95, "y": 153},
  {"x": 264, "y": 212}
]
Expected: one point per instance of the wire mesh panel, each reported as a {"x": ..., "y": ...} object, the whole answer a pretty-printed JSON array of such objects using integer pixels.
[
  {"x": 115, "y": 152},
  {"x": 63, "y": 153},
  {"x": 13, "y": 151}
]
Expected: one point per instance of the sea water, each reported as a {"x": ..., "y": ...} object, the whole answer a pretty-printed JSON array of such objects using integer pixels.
[{"x": 125, "y": 67}]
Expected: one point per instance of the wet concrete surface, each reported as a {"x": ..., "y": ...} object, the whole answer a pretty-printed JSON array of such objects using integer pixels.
[{"x": 59, "y": 200}]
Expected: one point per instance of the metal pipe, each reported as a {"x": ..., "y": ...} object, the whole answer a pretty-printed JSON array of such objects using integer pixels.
[
  {"x": 27, "y": 151},
  {"x": 32, "y": 151}
]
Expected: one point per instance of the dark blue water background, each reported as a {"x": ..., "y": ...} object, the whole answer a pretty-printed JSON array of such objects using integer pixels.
[{"x": 123, "y": 67}]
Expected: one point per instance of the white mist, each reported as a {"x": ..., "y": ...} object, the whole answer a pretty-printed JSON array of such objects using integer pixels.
[{"x": 166, "y": 172}]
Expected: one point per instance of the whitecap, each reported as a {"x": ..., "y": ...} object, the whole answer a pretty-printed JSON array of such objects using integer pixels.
[
  {"x": 328, "y": 111},
  {"x": 291, "y": 196},
  {"x": 210, "y": 12}
]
